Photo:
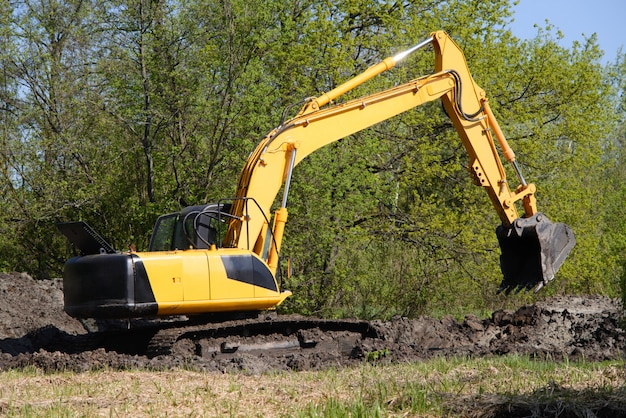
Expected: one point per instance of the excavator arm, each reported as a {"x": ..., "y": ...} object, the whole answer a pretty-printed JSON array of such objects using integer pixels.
[{"x": 269, "y": 167}]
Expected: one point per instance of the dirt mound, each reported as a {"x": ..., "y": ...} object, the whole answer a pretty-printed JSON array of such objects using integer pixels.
[
  {"x": 27, "y": 305},
  {"x": 570, "y": 327},
  {"x": 34, "y": 330}
]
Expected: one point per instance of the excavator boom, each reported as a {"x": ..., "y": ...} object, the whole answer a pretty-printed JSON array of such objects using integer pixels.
[{"x": 466, "y": 104}]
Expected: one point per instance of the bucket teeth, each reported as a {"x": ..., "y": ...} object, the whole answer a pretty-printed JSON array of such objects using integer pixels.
[{"x": 533, "y": 250}]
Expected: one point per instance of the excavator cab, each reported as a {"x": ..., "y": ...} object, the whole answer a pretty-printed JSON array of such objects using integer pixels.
[
  {"x": 533, "y": 249},
  {"x": 193, "y": 227}
]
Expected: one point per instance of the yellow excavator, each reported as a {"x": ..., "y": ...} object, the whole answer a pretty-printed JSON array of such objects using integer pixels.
[{"x": 224, "y": 257}]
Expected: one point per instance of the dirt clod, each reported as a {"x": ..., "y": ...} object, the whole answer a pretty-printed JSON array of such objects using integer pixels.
[{"x": 35, "y": 331}]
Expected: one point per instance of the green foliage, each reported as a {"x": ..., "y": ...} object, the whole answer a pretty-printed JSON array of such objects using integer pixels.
[
  {"x": 115, "y": 112},
  {"x": 613, "y": 239}
]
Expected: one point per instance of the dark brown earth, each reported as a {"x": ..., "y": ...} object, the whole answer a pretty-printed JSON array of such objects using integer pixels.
[{"x": 34, "y": 331}]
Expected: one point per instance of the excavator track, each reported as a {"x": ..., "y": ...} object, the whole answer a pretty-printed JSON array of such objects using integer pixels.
[
  {"x": 266, "y": 333},
  {"x": 211, "y": 337}
]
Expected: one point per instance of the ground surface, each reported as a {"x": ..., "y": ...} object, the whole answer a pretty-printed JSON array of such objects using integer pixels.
[{"x": 34, "y": 331}]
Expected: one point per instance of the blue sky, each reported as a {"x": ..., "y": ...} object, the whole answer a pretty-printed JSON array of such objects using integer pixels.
[{"x": 606, "y": 18}]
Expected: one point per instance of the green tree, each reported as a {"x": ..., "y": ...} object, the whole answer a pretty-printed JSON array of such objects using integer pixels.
[
  {"x": 46, "y": 156},
  {"x": 8, "y": 109},
  {"x": 613, "y": 238}
]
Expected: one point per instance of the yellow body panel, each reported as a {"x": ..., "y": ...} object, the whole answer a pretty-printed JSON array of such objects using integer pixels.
[
  {"x": 196, "y": 276},
  {"x": 196, "y": 281},
  {"x": 165, "y": 271},
  {"x": 225, "y": 305},
  {"x": 221, "y": 286}
]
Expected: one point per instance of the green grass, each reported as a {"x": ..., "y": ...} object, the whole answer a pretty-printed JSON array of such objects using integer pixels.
[
  {"x": 481, "y": 387},
  {"x": 454, "y": 387}
]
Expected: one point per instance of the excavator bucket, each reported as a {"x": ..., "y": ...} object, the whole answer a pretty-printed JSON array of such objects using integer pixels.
[{"x": 533, "y": 250}]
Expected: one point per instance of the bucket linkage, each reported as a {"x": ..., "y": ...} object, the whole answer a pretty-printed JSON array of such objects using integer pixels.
[{"x": 533, "y": 250}]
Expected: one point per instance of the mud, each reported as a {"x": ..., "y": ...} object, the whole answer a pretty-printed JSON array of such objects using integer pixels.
[{"x": 34, "y": 331}]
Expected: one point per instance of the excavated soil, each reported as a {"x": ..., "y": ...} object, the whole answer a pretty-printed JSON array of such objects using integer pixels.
[{"x": 35, "y": 331}]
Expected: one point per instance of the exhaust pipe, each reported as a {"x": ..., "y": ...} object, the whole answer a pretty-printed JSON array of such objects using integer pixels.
[{"x": 533, "y": 250}]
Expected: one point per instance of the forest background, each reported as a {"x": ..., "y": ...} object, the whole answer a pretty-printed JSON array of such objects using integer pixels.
[{"x": 114, "y": 112}]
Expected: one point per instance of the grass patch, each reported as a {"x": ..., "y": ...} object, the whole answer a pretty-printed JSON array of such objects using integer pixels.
[{"x": 483, "y": 387}]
